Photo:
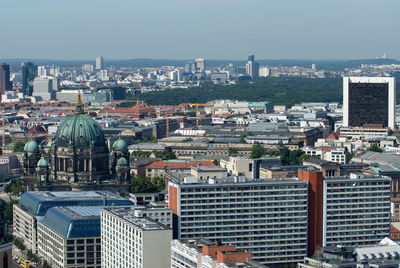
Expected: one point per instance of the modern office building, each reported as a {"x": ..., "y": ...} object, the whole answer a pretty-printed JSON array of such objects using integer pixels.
[
  {"x": 99, "y": 63},
  {"x": 369, "y": 101},
  {"x": 252, "y": 67},
  {"x": 264, "y": 72},
  {"x": 5, "y": 83},
  {"x": 29, "y": 72},
  {"x": 32, "y": 205},
  {"x": 190, "y": 67},
  {"x": 70, "y": 237},
  {"x": 208, "y": 254},
  {"x": 43, "y": 88},
  {"x": 42, "y": 71},
  {"x": 130, "y": 240},
  {"x": 201, "y": 65},
  {"x": 265, "y": 217},
  {"x": 347, "y": 210}
]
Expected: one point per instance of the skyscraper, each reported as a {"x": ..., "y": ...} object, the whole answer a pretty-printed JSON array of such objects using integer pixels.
[
  {"x": 201, "y": 65},
  {"x": 5, "y": 83},
  {"x": 369, "y": 100},
  {"x": 99, "y": 63},
  {"x": 252, "y": 67},
  {"x": 29, "y": 72}
]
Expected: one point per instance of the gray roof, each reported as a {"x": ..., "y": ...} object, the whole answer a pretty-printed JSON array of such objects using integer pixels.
[
  {"x": 37, "y": 203},
  {"x": 73, "y": 222}
]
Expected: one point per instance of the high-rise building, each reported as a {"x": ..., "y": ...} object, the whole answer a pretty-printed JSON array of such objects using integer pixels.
[
  {"x": 201, "y": 65},
  {"x": 99, "y": 63},
  {"x": 5, "y": 83},
  {"x": 265, "y": 217},
  {"x": 131, "y": 240},
  {"x": 29, "y": 72},
  {"x": 346, "y": 210},
  {"x": 369, "y": 100},
  {"x": 264, "y": 72},
  {"x": 42, "y": 71},
  {"x": 190, "y": 67},
  {"x": 87, "y": 68},
  {"x": 43, "y": 88},
  {"x": 252, "y": 67}
]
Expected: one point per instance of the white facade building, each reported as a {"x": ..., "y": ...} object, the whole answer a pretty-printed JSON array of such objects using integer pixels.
[
  {"x": 131, "y": 240},
  {"x": 99, "y": 63}
]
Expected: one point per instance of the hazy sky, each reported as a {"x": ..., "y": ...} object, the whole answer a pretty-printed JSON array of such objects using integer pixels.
[{"x": 184, "y": 29}]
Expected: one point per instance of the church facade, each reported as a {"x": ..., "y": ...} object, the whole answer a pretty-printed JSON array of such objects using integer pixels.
[{"x": 78, "y": 159}]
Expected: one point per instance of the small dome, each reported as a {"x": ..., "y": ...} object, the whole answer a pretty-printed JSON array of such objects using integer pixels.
[
  {"x": 31, "y": 147},
  {"x": 42, "y": 163},
  {"x": 120, "y": 145},
  {"x": 122, "y": 162}
]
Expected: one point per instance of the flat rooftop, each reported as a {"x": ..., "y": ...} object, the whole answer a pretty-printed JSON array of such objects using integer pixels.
[{"x": 128, "y": 215}]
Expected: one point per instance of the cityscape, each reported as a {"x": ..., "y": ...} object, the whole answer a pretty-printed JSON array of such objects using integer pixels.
[{"x": 181, "y": 152}]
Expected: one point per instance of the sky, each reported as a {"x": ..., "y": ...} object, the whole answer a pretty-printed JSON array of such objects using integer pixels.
[{"x": 186, "y": 29}]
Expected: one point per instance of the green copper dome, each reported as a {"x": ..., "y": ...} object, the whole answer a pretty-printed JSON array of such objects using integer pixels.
[
  {"x": 122, "y": 162},
  {"x": 120, "y": 145},
  {"x": 31, "y": 147},
  {"x": 42, "y": 163},
  {"x": 80, "y": 131}
]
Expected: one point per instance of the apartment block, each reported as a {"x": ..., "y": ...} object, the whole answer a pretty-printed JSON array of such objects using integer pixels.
[
  {"x": 265, "y": 217},
  {"x": 347, "y": 210}
]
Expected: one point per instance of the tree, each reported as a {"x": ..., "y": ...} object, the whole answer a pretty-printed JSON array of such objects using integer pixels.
[
  {"x": 216, "y": 162},
  {"x": 143, "y": 185},
  {"x": 375, "y": 148},
  {"x": 349, "y": 156},
  {"x": 15, "y": 187},
  {"x": 19, "y": 244},
  {"x": 232, "y": 152},
  {"x": 18, "y": 147},
  {"x": 257, "y": 151},
  {"x": 8, "y": 211}
]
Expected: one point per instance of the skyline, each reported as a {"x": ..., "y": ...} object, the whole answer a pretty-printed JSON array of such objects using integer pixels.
[{"x": 223, "y": 30}]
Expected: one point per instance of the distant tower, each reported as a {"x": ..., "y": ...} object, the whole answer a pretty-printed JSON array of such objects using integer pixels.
[
  {"x": 5, "y": 83},
  {"x": 122, "y": 170},
  {"x": 31, "y": 157},
  {"x": 29, "y": 72},
  {"x": 119, "y": 150},
  {"x": 41, "y": 71},
  {"x": 314, "y": 66},
  {"x": 252, "y": 67},
  {"x": 201, "y": 65},
  {"x": 369, "y": 100},
  {"x": 99, "y": 63}
]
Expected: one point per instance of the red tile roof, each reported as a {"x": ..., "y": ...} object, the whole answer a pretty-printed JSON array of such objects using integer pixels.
[{"x": 173, "y": 164}]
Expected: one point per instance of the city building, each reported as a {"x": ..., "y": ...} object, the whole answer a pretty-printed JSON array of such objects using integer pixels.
[
  {"x": 5, "y": 83},
  {"x": 265, "y": 217},
  {"x": 79, "y": 158},
  {"x": 252, "y": 67},
  {"x": 208, "y": 254},
  {"x": 131, "y": 240},
  {"x": 264, "y": 72},
  {"x": 99, "y": 63},
  {"x": 201, "y": 65},
  {"x": 43, "y": 88},
  {"x": 33, "y": 205},
  {"x": 369, "y": 100},
  {"x": 70, "y": 237},
  {"x": 29, "y": 72},
  {"x": 346, "y": 210}
]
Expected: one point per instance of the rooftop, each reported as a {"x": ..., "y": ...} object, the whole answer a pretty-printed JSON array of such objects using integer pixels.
[{"x": 134, "y": 218}]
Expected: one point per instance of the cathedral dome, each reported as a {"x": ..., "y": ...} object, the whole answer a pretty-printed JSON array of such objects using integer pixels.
[
  {"x": 122, "y": 162},
  {"x": 42, "y": 163},
  {"x": 31, "y": 147},
  {"x": 79, "y": 130},
  {"x": 120, "y": 145}
]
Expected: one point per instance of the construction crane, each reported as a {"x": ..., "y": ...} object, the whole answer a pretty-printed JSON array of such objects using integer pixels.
[{"x": 198, "y": 106}]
